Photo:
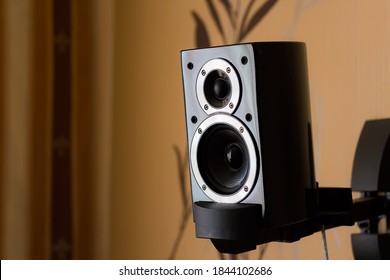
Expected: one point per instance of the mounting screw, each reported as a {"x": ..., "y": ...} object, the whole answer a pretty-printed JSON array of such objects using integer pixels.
[
  {"x": 200, "y": 130},
  {"x": 228, "y": 70},
  {"x": 206, "y": 107},
  {"x": 231, "y": 105},
  {"x": 203, "y": 73},
  {"x": 241, "y": 129},
  {"x": 246, "y": 189},
  {"x": 204, "y": 187},
  {"x": 190, "y": 65}
]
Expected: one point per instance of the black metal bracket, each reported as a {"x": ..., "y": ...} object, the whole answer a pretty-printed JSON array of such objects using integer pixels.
[
  {"x": 372, "y": 242},
  {"x": 371, "y": 177},
  {"x": 241, "y": 227}
]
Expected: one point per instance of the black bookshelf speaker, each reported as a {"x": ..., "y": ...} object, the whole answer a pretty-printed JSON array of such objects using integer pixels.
[{"x": 249, "y": 136}]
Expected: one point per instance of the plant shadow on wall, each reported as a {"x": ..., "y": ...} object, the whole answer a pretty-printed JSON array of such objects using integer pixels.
[
  {"x": 234, "y": 20},
  {"x": 243, "y": 17}
]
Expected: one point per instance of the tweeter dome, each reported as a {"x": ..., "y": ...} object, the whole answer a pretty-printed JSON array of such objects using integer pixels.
[{"x": 249, "y": 131}]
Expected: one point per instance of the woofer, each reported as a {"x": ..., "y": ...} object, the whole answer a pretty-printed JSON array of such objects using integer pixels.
[{"x": 224, "y": 159}]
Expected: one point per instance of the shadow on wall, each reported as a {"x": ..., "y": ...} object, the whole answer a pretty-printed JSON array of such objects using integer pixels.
[{"x": 239, "y": 25}]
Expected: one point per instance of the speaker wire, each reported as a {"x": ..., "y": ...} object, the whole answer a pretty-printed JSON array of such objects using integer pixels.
[{"x": 324, "y": 243}]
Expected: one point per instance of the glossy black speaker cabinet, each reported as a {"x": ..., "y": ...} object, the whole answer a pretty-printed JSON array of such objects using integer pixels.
[{"x": 249, "y": 141}]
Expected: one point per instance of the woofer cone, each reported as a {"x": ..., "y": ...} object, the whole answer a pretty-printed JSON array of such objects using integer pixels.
[{"x": 223, "y": 159}]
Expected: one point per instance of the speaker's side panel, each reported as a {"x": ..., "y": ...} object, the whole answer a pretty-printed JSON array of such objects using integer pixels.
[{"x": 285, "y": 130}]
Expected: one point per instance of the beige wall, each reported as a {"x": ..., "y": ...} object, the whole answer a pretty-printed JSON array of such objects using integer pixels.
[
  {"x": 348, "y": 52},
  {"x": 129, "y": 113}
]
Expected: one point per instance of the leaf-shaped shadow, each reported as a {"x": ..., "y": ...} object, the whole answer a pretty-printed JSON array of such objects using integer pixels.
[
  {"x": 215, "y": 16},
  {"x": 245, "y": 18},
  {"x": 257, "y": 17},
  {"x": 228, "y": 7},
  {"x": 202, "y": 37}
]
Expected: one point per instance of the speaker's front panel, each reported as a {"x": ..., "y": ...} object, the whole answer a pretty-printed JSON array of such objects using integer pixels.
[{"x": 222, "y": 124}]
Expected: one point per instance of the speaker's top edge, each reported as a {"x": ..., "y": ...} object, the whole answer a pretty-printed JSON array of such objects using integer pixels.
[
  {"x": 268, "y": 43},
  {"x": 377, "y": 121}
]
